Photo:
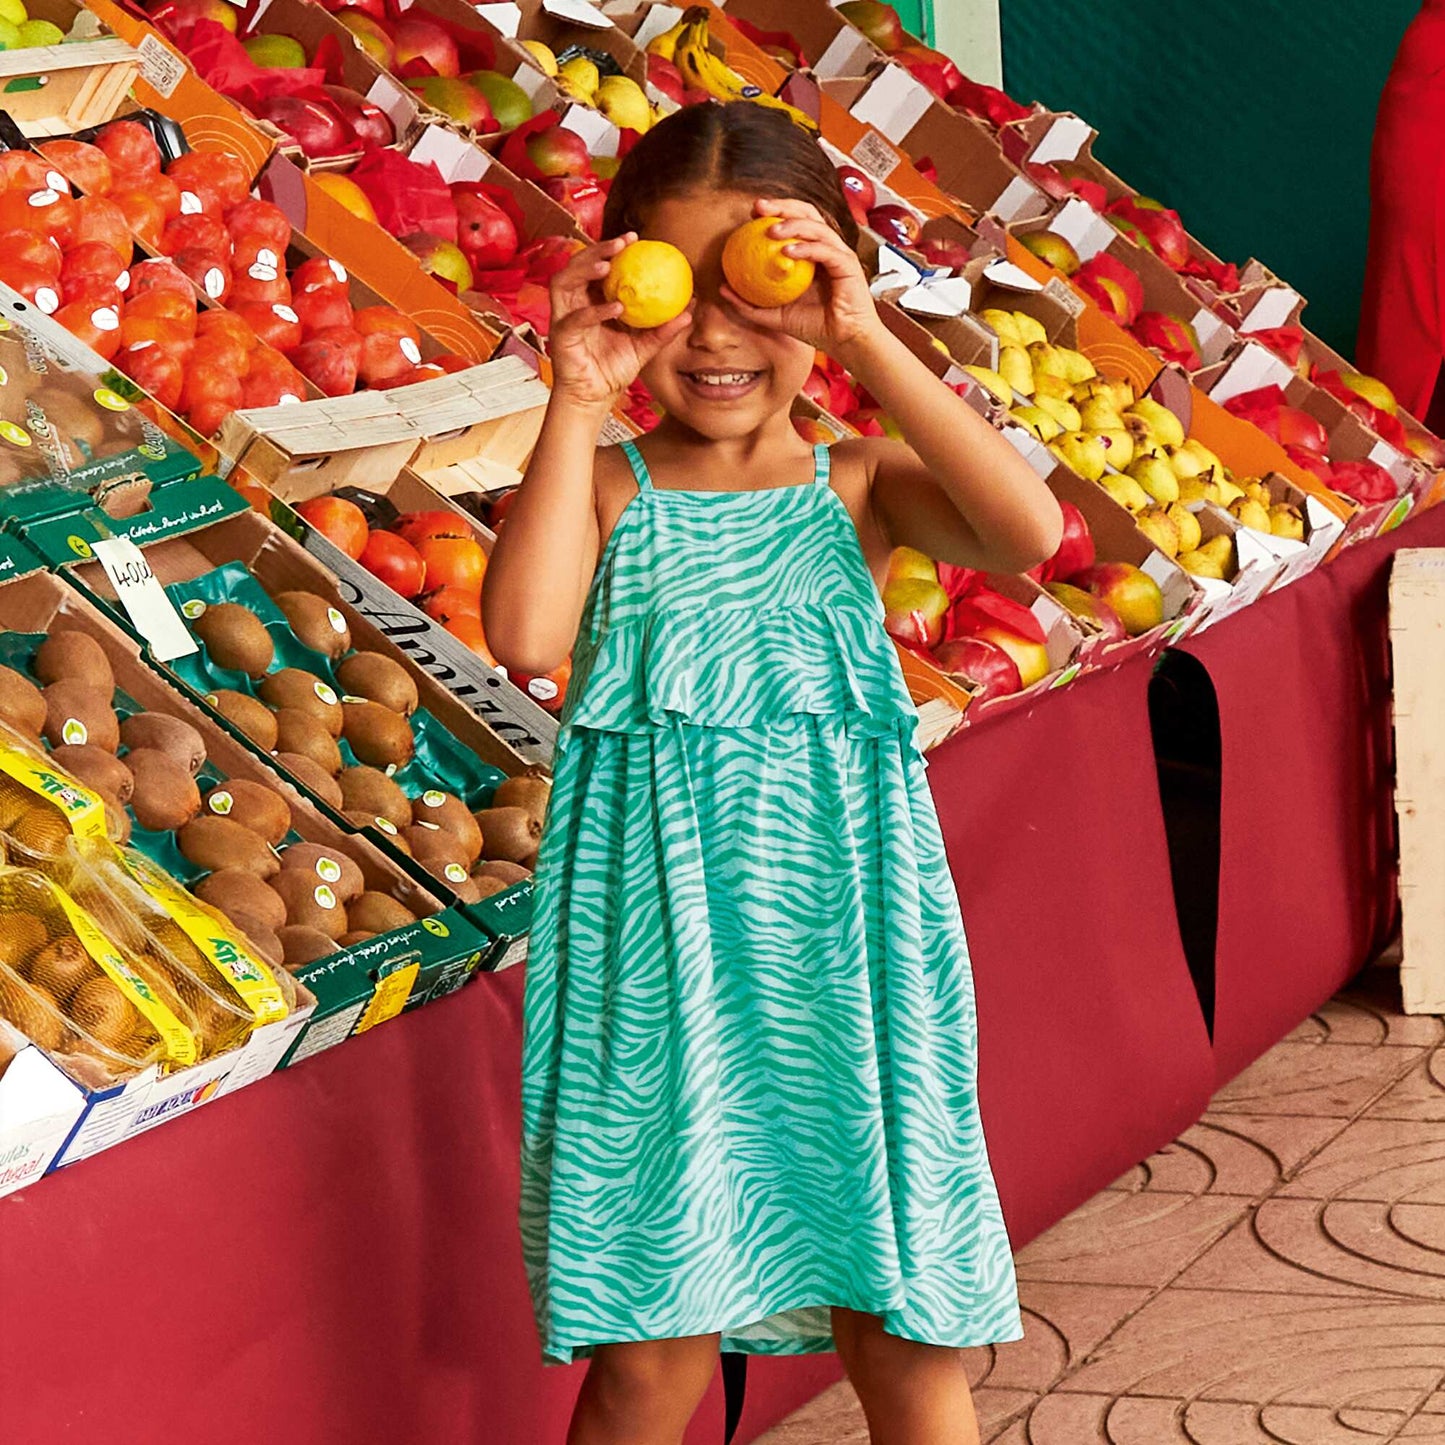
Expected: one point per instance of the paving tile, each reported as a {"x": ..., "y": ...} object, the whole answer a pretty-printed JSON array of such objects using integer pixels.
[
  {"x": 1129, "y": 1239},
  {"x": 1231, "y": 1154},
  {"x": 835, "y": 1416},
  {"x": 1376, "y": 1158},
  {"x": 1329, "y": 1080},
  {"x": 1369, "y": 1012},
  {"x": 1420, "y": 1093},
  {"x": 1250, "y": 1347}
]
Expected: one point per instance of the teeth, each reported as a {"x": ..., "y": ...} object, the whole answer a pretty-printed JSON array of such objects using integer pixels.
[{"x": 730, "y": 378}]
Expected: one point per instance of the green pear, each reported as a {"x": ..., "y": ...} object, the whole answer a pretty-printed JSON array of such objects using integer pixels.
[
  {"x": 1157, "y": 478},
  {"x": 1100, "y": 414}
]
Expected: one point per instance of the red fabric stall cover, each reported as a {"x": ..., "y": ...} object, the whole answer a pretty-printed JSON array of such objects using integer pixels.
[
  {"x": 1306, "y": 872},
  {"x": 1093, "y": 1050}
]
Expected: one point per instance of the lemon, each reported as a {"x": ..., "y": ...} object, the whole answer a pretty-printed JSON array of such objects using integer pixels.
[
  {"x": 623, "y": 102},
  {"x": 757, "y": 269},
  {"x": 9, "y": 35},
  {"x": 40, "y": 32},
  {"x": 653, "y": 282},
  {"x": 13, "y": 11},
  {"x": 542, "y": 54}
]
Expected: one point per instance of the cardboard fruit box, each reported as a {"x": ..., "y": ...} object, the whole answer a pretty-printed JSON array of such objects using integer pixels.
[
  {"x": 563, "y": 26},
  {"x": 55, "y": 89}
]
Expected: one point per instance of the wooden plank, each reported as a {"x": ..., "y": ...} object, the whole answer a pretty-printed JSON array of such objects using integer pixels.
[{"x": 1417, "y": 642}]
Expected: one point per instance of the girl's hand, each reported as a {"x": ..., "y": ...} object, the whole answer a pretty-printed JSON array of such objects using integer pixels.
[
  {"x": 594, "y": 360},
  {"x": 837, "y": 311}
]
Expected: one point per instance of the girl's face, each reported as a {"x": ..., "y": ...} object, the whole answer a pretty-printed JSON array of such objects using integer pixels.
[{"x": 722, "y": 377}]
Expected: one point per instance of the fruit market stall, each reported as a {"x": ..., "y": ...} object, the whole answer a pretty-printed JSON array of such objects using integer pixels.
[{"x": 273, "y": 355}]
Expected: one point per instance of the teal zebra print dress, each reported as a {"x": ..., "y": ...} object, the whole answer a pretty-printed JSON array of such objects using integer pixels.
[{"x": 749, "y": 1033}]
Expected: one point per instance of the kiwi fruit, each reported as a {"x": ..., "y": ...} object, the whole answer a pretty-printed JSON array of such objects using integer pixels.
[
  {"x": 310, "y": 774},
  {"x": 505, "y": 873},
  {"x": 253, "y": 806},
  {"x": 371, "y": 792},
  {"x": 117, "y": 820},
  {"x": 20, "y": 935},
  {"x": 96, "y": 768},
  {"x": 61, "y": 967},
  {"x": 485, "y": 887},
  {"x": 508, "y": 833},
  {"x": 451, "y": 815},
  {"x": 213, "y": 843},
  {"x": 301, "y": 945},
  {"x": 293, "y": 687},
  {"x": 374, "y": 912},
  {"x": 309, "y": 902},
  {"x": 355, "y": 936},
  {"x": 437, "y": 851},
  {"x": 168, "y": 734},
  {"x": 102, "y": 1011},
  {"x": 166, "y": 796},
  {"x": 40, "y": 831},
  {"x": 303, "y": 733},
  {"x": 21, "y": 704},
  {"x": 315, "y": 622},
  {"x": 249, "y": 717},
  {"x": 527, "y": 790},
  {"x": 235, "y": 638},
  {"x": 261, "y": 937},
  {"x": 378, "y": 736},
  {"x": 378, "y": 678},
  {"x": 76, "y": 712},
  {"x": 238, "y": 893},
  {"x": 328, "y": 865},
  {"x": 27, "y": 1009},
  {"x": 74, "y": 655}
]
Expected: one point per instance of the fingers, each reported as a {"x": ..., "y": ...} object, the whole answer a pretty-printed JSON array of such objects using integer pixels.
[
  {"x": 649, "y": 343},
  {"x": 786, "y": 206},
  {"x": 768, "y": 316},
  {"x": 571, "y": 285},
  {"x": 838, "y": 261},
  {"x": 586, "y": 317}
]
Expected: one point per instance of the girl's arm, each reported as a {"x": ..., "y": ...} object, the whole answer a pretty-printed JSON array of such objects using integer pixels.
[
  {"x": 958, "y": 490},
  {"x": 542, "y": 563}
]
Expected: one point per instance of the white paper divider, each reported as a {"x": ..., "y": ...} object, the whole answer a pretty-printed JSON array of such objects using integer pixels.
[
  {"x": 848, "y": 53},
  {"x": 1063, "y": 140},
  {"x": 144, "y": 599},
  {"x": 505, "y": 17},
  {"x": 577, "y": 12},
  {"x": 1253, "y": 368},
  {"x": 1011, "y": 277},
  {"x": 455, "y": 158},
  {"x": 1273, "y": 308},
  {"x": 397, "y": 103},
  {"x": 601, "y": 135},
  {"x": 894, "y": 103},
  {"x": 659, "y": 18}
]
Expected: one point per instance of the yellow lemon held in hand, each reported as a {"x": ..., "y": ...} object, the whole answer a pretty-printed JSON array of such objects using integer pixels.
[
  {"x": 757, "y": 269},
  {"x": 653, "y": 282}
]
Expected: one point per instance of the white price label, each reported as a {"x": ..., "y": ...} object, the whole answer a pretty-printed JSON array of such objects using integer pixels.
[{"x": 144, "y": 599}]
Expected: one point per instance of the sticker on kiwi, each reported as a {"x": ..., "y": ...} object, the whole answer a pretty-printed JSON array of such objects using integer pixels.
[
  {"x": 326, "y": 694},
  {"x": 74, "y": 731},
  {"x": 433, "y": 799},
  {"x": 337, "y": 621},
  {"x": 455, "y": 873},
  {"x": 221, "y": 802},
  {"x": 179, "y": 1041},
  {"x": 192, "y": 608},
  {"x": 324, "y": 897},
  {"x": 110, "y": 400},
  {"x": 330, "y": 870},
  {"x": 386, "y": 825},
  {"x": 16, "y": 435}
]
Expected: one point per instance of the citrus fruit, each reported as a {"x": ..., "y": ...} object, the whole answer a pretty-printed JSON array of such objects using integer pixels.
[
  {"x": 757, "y": 269},
  {"x": 653, "y": 282}
]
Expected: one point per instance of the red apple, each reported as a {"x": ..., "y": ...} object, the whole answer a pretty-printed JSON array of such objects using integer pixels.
[
  {"x": 1076, "y": 549},
  {"x": 34, "y": 283},
  {"x": 914, "y": 611},
  {"x": 91, "y": 258},
  {"x": 664, "y": 76},
  {"x": 943, "y": 251},
  {"x": 155, "y": 368},
  {"x": 158, "y": 274},
  {"x": 859, "y": 190},
  {"x": 558, "y": 151},
  {"x": 991, "y": 671},
  {"x": 895, "y": 223},
  {"x": 329, "y": 360},
  {"x": 371, "y": 35},
  {"x": 582, "y": 198},
  {"x": 261, "y": 221},
  {"x": 369, "y": 123},
  {"x": 423, "y": 48},
  {"x": 1133, "y": 594},
  {"x": 315, "y": 127},
  {"x": 83, "y": 165},
  {"x": 322, "y": 309},
  {"x": 456, "y": 100},
  {"x": 879, "y": 22},
  {"x": 318, "y": 273},
  {"x": 485, "y": 232},
  {"x": 37, "y": 249}
]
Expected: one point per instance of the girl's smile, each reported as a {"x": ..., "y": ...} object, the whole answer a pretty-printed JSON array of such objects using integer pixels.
[{"x": 714, "y": 385}]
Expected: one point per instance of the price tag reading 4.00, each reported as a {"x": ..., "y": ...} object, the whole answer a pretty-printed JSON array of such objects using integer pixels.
[{"x": 144, "y": 599}]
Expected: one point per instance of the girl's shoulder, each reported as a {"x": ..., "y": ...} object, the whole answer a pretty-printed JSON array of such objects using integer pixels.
[{"x": 613, "y": 487}]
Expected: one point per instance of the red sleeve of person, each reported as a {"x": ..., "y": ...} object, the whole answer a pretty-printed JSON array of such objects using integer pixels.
[{"x": 1402, "y": 319}]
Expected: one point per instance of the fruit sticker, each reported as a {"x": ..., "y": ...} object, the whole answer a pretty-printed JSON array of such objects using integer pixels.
[
  {"x": 455, "y": 873},
  {"x": 433, "y": 799},
  {"x": 110, "y": 400},
  {"x": 192, "y": 609},
  {"x": 15, "y": 435},
  {"x": 74, "y": 731},
  {"x": 330, "y": 870},
  {"x": 79, "y": 546},
  {"x": 324, "y": 897},
  {"x": 436, "y": 927},
  {"x": 386, "y": 825},
  {"x": 337, "y": 621},
  {"x": 221, "y": 803},
  {"x": 325, "y": 693}
]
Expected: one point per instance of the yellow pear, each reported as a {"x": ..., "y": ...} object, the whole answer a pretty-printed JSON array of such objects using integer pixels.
[
  {"x": 1186, "y": 463},
  {"x": 1249, "y": 513},
  {"x": 1285, "y": 521},
  {"x": 1082, "y": 453},
  {"x": 1226, "y": 494},
  {"x": 1199, "y": 563},
  {"x": 1157, "y": 525},
  {"x": 1258, "y": 489},
  {"x": 1077, "y": 366},
  {"x": 1013, "y": 366},
  {"x": 1149, "y": 447},
  {"x": 1158, "y": 420},
  {"x": 1003, "y": 325},
  {"x": 1124, "y": 490},
  {"x": 1047, "y": 384},
  {"x": 1195, "y": 488},
  {"x": 1221, "y": 549},
  {"x": 542, "y": 54},
  {"x": 1207, "y": 458},
  {"x": 581, "y": 73},
  {"x": 1029, "y": 327},
  {"x": 1187, "y": 525},
  {"x": 1118, "y": 448},
  {"x": 1046, "y": 359},
  {"x": 1100, "y": 414},
  {"x": 624, "y": 103},
  {"x": 1157, "y": 478},
  {"x": 1038, "y": 421},
  {"x": 1062, "y": 412},
  {"x": 992, "y": 383}
]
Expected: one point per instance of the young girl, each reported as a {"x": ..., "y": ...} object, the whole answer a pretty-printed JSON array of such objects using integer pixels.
[{"x": 749, "y": 1102}]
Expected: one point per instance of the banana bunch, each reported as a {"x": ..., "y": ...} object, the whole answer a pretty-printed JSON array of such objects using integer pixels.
[
  {"x": 664, "y": 44},
  {"x": 702, "y": 70}
]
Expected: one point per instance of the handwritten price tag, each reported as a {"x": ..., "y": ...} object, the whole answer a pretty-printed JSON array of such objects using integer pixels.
[{"x": 144, "y": 599}]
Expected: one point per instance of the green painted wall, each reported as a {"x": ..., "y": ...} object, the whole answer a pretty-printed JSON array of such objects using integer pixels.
[
  {"x": 917, "y": 16},
  {"x": 1253, "y": 120}
]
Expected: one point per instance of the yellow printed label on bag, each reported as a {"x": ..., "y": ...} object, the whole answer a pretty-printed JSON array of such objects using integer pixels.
[
  {"x": 390, "y": 997},
  {"x": 179, "y": 1041},
  {"x": 251, "y": 979},
  {"x": 82, "y": 809}
]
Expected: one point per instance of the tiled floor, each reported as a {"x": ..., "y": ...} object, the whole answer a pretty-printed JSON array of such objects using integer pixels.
[{"x": 1276, "y": 1276}]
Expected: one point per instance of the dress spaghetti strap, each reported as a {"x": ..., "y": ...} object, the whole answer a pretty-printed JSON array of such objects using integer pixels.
[
  {"x": 640, "y": 473},
  {"x": 822, "y": 464}
]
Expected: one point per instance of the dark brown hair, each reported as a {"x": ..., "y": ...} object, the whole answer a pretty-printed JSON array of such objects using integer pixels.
[{"x": 740, "y": 146}]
